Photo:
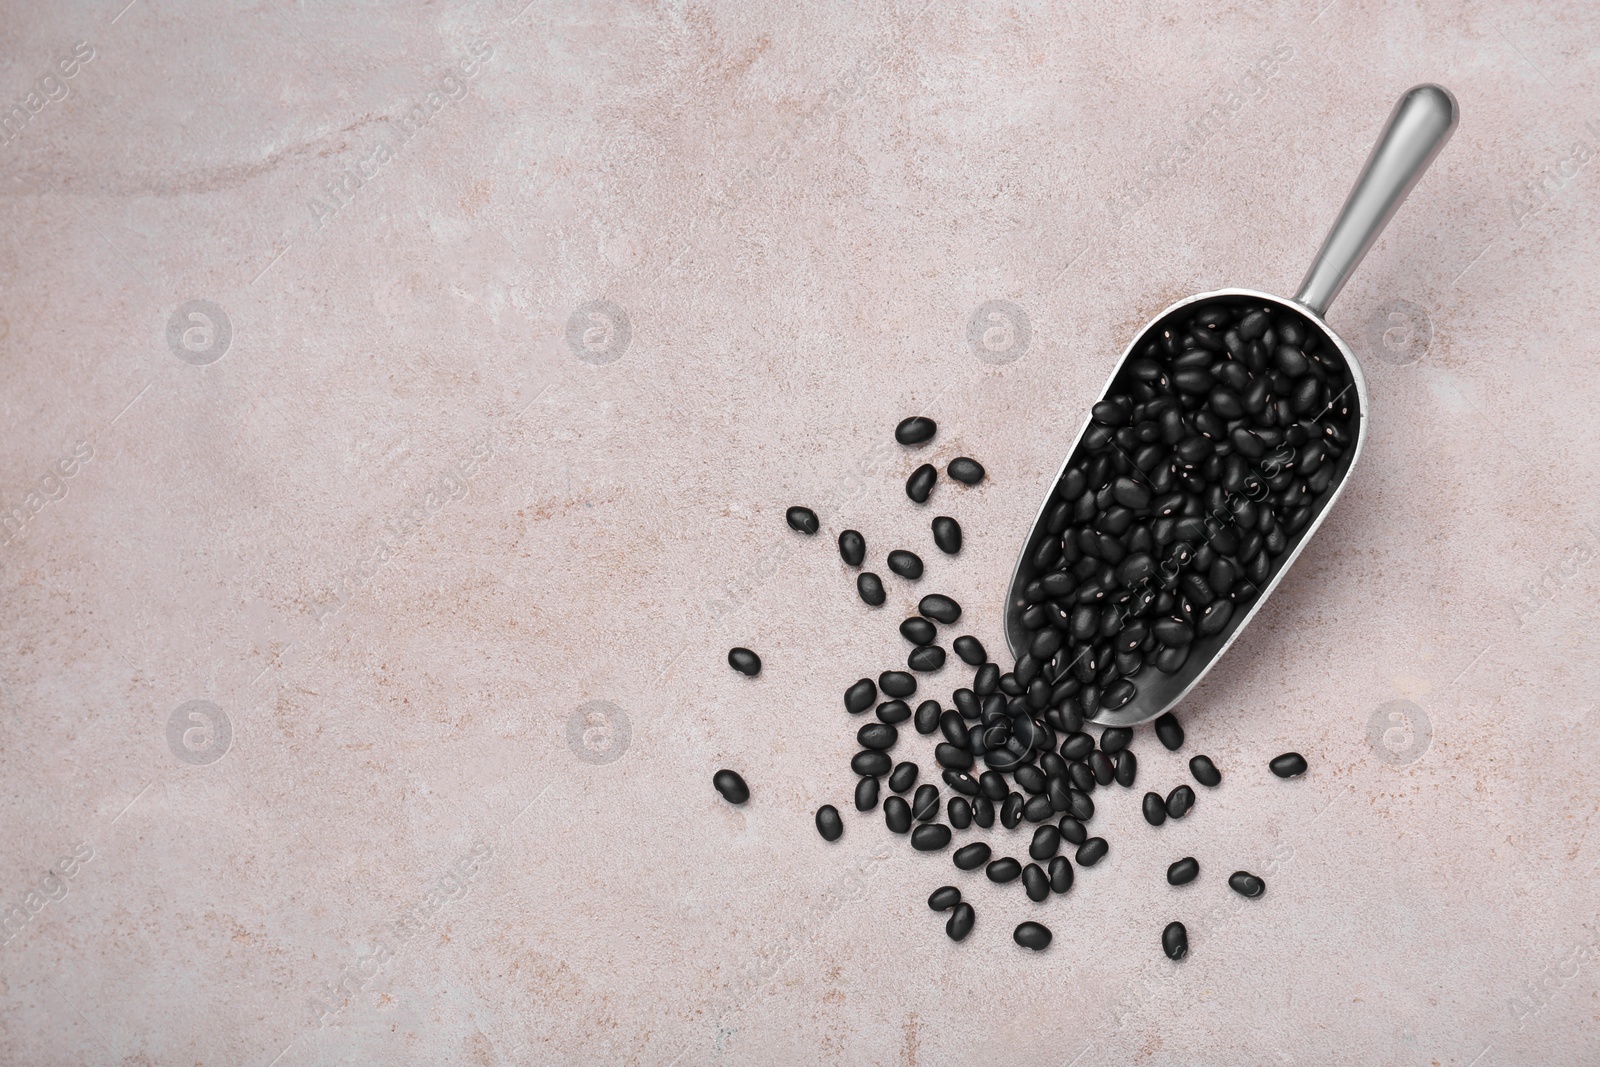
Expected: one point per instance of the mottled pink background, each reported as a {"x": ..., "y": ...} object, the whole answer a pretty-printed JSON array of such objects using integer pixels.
[{"x": 433, "y": 523}]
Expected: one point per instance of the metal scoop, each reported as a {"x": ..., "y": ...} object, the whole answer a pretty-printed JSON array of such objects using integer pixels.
[{"x": 1417, "y": 129}]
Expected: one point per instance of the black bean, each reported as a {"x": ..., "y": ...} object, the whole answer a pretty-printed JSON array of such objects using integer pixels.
[
  {"x": 967, "y": 703},
  {"x": 1046, "y": 843},
  {"x": 1170, "y": 631},
  {"x": 1079, "y": 805},
  {"x": 1174, "y": 941},
  {"x": 944, "y": 898},
  {"x": 1246, "y": 884},
  {"x": 905, "y": 564},
  {"x": 986, "y": 680},
  {"x": 1130, "y": 493},
  {"x": 852, "y": 547},
  {"x": 930, "y": 837},
  {"x": 1114, "y": 739},
  {"x": 1214, "y": 618},
  {"x": 1060, "y": 871},
  {"x": 971, "y": 857},
  {"x": 897, "y": 683},
  {"x": 903, "y": 777},
  {"x": 1030, "y": 778},
  {"x": 920, "y": 484},
  {"x": 1288, "y": 765},
  {"x": 961, "y": 920},
  {"x": 893, "y": 712},
  {"x": 926, "y": 658},
  {"x": 928, "y": 713},
  {"x": 925, "y": 805},
  {"x": 1183, "y": 871},
  {"x": 803, "y": 519},
  {"x": 947, "y": 535},
  {"x": 866, "y": 794},
  {"x": 1073, "y": 832},
  {"x": 915, "y": 430},
  {"x": 897, "y": 815},
  {"x": 1179, "y": 801},
  {"x": 964, "y": 784},
  {"x": 1205, "y": 772},
  {"x": 983, "y": 812},
  {"x": 1170, "y": 732},
  {"x": 1003, "y": 870},
  {"x": 918, "y": 631},
  {"x": 1092, "y": 851},
  {"x": 731, "y": 786},
  {"x": 1011, "y": 811},
  {"x": 1105, "y": 772},
  {"x": 970, "y": 650},
  {"x": 950, "y": 756},
  {"x": 744, "y": 661},
  {"x": 959, "y": 812},
  {"x": 1127, "y": 768},
  {"x": 1035, "y": 883},
  {"x": 870, "y": 588},
  {"x": 859, "y": 697},
  {"x": 829, "y": 825},
  {"x": 1109, "y": 413},
  {"x": 940, "y": 608},
  {"x": 993, "y": 785},
  {"x": 1077, "y": 746},
  {"x": 877, "y": 735},
  {"x": 1155, "y": 809},
  {"x": 871, "y": 762},
  {"x": 964, "y": 470}
]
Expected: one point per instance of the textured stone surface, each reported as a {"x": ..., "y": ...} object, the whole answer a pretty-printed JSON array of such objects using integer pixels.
[{"x": 455, "y": 532}]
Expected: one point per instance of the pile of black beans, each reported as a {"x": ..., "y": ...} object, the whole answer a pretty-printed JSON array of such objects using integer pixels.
[
  {"x": 1212, "y": 450},
  {"x": 1160, "y": 452}
]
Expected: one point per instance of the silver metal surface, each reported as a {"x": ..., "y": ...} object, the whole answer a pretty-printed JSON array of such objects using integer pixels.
[{"x": 1417, "y": 128}]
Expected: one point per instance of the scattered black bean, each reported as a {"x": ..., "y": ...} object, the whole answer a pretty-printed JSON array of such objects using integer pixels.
[
  {"x": 1060, "y": 874},
  {"x": 944, "y": 898},
  {"x": 877, "y": 735},
  {"x": 867, "y": 794},
  {"x": 940, "y": 608},
  {"x": 1035, "y": 883},
  {"x": 1072, "y": 831},
  {"x": 1155, "y": 809},
  {"x": 903, "y": 777},
  {"x": 1179, "y": 801},
  {"x": 983, "y": 812},
  {"x": 971, "y": 857},
  {"x": 1092, "y": 851},
  {"x": 731, "y": 786},
  {"x": 961, "y": 920},
  {"x": 905, "y": 564},
  {"x": 918, "y": 631},
  {"x": 859, "y": 697},
  {"x": 928, "y": 713},
  {"x": 897, "y": 815},
  {"x": 803, "y": 519},
  {"x": 970, "y": 650},
  {"x": 1046, "y": 843},
  {"x": 967, "y": 471},
  {"x": 1169, "y": 732},
  {"x": 959, "y": 812},
  {"x": 829, "y": 825},
  {"x": 948, "y": 755},
  {"x": 930, "y": 837},
  {"x": 925, "y": 805},
  {"x": 925, "y": 658},
  {"x": 1246, "y": 884},
  {"x": 920, "y": 484},
  {"x": 894, "y": 712},
  {"x": 852, "y": 547},
  {"x": 1205, "y": 772},
  {"x": 961, "y": 783},
  {"x": 897, "y": 683},
  {"x": 915, "y": 430},
  {"x": 947, "y": 535},
  {"x": 1003, "y": 870},
  {"x": 1183, "y": 871},
  {"x": 870, "y": 587},
  {"x": 1114, "y": 739},
  {"x": 1174, "y": 941},
  {"x": 1127, "y": 767},
  {"x": 1105, "y": 772},
  {"x": 1288, "y": 765},
  {"x": 744, "y": 661},
  {"x": 869, "y": 762}
]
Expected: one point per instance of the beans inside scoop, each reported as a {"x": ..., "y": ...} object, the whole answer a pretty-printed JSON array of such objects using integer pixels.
[{"x": 1213, "y": 449}]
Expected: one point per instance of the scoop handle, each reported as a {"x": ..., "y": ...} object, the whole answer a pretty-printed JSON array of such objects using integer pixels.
[{"x": 1417, "y": 129}]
